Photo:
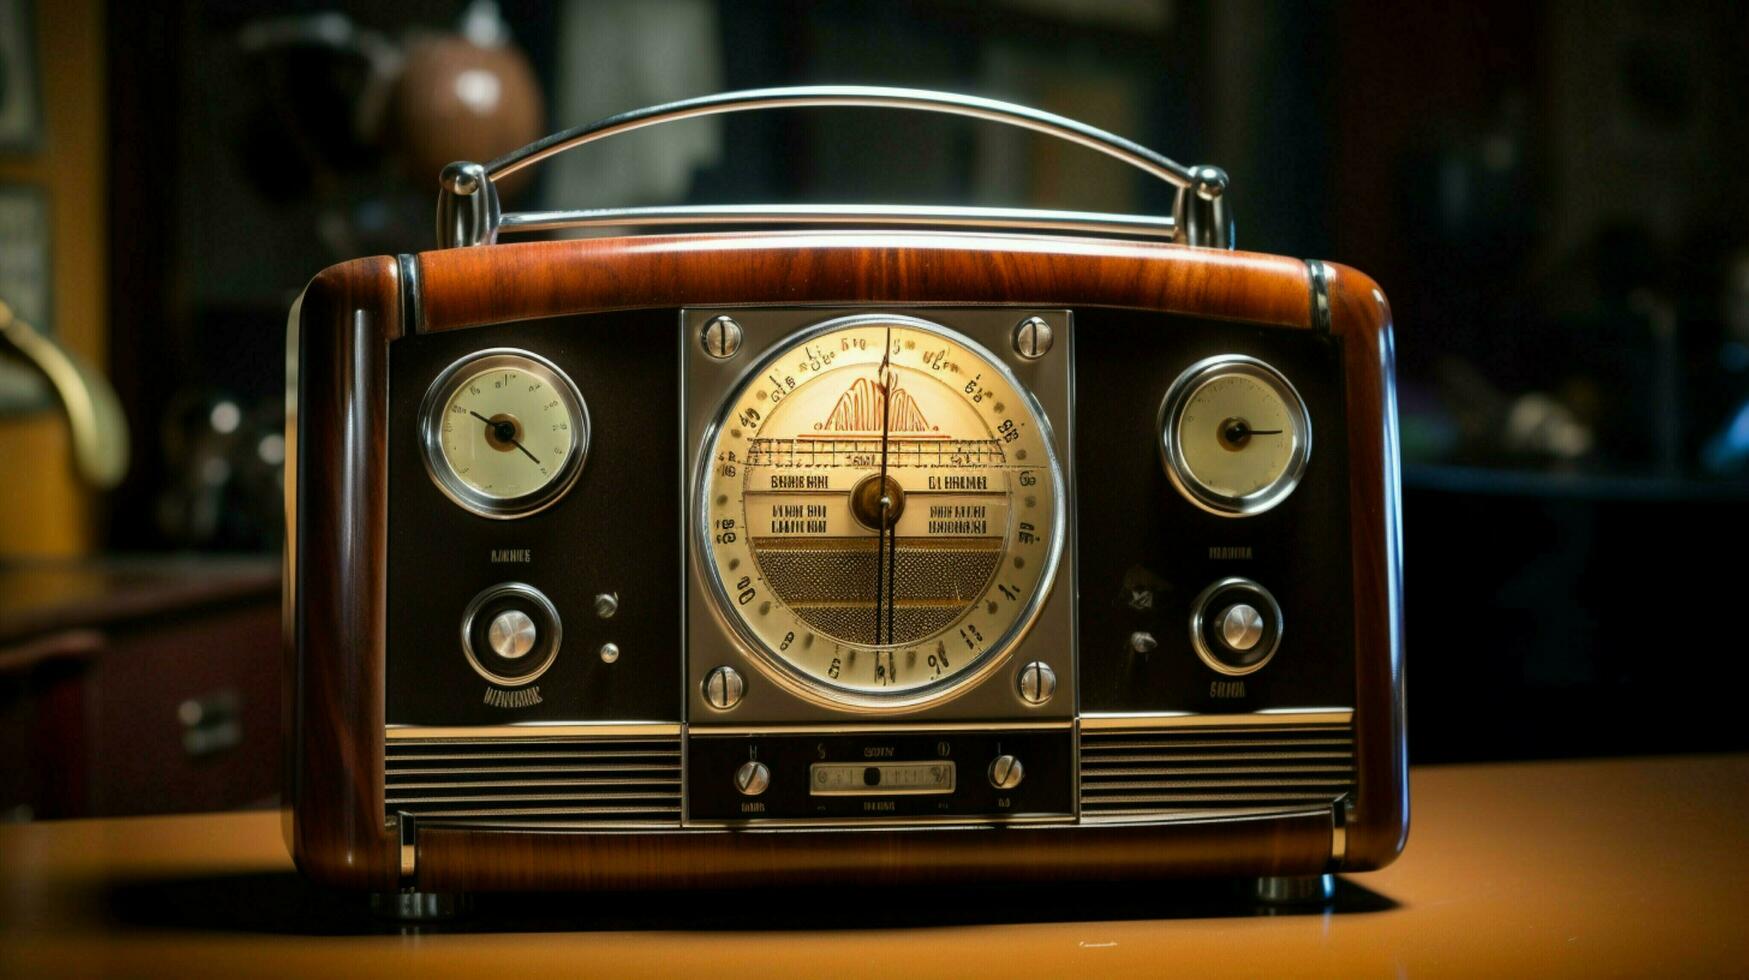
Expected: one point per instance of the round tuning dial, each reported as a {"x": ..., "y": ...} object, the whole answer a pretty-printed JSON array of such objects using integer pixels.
[
  {"x": 510, "y": 634},
  {"x": 1234, "y": 435},
  {"x": 1235, "y": 626}
]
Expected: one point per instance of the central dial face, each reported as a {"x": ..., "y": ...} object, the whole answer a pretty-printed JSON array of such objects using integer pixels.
[{"x": 883, "y": 510}]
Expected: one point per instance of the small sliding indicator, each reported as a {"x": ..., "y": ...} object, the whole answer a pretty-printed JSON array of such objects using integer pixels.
[{"x": 880, "y": 779}]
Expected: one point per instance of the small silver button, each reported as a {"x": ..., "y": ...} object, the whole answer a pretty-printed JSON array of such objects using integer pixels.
[
  {"x": 1241, "y": 627},
  {"x": 512, "y": 634},
  {"x": 723, "y": 688},
  {"x": 606, "y": 604},
  {"x": 609, "y": 652},
  {"x": 752, "y": 778},
  {"x": 1006, "y": 772},
  {"x": 1037, "y": 682},
  {"x": 1142, "y": 642}
]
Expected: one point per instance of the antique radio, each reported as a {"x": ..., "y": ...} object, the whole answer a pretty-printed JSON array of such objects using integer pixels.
[{"x": 853, "y": 543}]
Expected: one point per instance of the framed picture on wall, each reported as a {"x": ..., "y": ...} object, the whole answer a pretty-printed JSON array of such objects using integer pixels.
[{"x": 20, "y": 87}]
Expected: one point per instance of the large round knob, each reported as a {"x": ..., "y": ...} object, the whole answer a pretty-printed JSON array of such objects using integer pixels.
[
  {"x": 1235, "y": 626},
  {"x": 510, "y": 634}
]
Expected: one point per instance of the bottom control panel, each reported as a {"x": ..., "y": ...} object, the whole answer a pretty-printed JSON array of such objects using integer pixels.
[{"x": 950, "y": 774}]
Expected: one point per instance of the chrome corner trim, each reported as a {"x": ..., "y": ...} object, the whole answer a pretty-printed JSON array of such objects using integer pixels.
[
  {"x": 412, "y": 295},
  {"x": 902, "y": 215},
  {"x": 1318, "y": 276},
  {"x": 1339, "y": 832},
  {"x": 534, "y": 730},
  {"x": 1272, "y": 718}
]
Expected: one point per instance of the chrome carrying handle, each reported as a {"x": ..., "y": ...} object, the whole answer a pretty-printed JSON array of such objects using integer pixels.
[{"x": 468, "y": 212}]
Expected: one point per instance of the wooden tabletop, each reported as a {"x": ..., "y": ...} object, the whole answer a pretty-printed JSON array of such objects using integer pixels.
[{"x": 1615, "y": 867}]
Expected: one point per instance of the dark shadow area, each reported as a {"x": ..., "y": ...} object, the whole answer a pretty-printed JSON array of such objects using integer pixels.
[{"x": 288, "y": 904}]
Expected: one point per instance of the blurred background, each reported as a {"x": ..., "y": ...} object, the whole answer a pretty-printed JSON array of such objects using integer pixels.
[{"x": 1550, "y": 193}]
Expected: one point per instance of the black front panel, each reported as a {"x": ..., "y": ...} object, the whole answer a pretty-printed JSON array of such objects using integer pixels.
[
  {"x": 1046, "y": 785},
  {"x": 1146, "y": 552},
  {"x": 616, "y": 531}
]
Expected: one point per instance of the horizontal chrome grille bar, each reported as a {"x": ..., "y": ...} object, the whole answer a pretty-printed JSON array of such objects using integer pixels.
[
  {"x": 535, "y": 780},
  {"x": 1176, "y": 768}
]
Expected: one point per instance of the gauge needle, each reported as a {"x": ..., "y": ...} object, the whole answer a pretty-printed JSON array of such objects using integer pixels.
[
  {"x": 884, "y": 543},
  {"x": 1239, "y": 430},
  {"x": 505, "y": 432}
]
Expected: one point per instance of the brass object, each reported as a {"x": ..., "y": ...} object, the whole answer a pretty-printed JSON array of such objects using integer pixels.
[{"x": 94, "y": 416}]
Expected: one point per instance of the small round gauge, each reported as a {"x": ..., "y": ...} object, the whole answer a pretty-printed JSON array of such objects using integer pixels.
[
  {"x": 881, "y": 511},
  {"x": 1234, "y": 435},
  {"x": 505, "y": 432}
]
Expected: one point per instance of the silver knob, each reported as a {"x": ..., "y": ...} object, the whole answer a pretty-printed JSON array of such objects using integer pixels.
[
  {"x": 1037, "y": 682},
  {"x": 606, "y": 604},
  {"x": 723, "y": 688},
  {"x": 1143, "y": 642},
  {"x": 721, "y": 337},
  {"x": 1241, "y": 627},
  {"x": 752, "y": 778},
  {"x": 1006, "y": 772},
  {"x": 1032, "y": 338},
  {"x": 609, "y": 652},
  {"x": 512, "y": 634}
]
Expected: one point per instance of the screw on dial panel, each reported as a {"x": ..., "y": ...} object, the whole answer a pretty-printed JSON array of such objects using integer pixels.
[
  {"x": 606, "y": 604},
  {"x": 721, "y": 337},
  {"x": 1037, "y": 682},
  {"x": 1033, "y": 338},
  {"x": 723, "y": 688},
  {"x": 1006, "y": 772},
  {"x": 752, "y": 778}
]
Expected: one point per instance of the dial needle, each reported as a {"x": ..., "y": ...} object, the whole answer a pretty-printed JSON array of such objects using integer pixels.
[
  {"x": 883, "y": 556},
  {"x": 505, "y": 432}
]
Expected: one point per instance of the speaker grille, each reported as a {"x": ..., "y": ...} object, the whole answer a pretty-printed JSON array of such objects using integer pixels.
[
  {"x": 536, "y": 780},
  {"x": 1215, "y": 768}
]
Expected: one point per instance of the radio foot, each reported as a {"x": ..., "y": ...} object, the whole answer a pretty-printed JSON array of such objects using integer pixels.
[
  {"x": 416, "y": 906},
  {"x": 1296, "y": 889}
]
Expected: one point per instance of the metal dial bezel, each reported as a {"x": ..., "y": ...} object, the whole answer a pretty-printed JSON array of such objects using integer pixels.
[
  {"x": 438, "y": 467},
  {"x": 1171, "y": 451},
  {"x": 776, "y": 667},
  {"x": 524, "y": 591},
  {"x": 1199, "y": 609}
]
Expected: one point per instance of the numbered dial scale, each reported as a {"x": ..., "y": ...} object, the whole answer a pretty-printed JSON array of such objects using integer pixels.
[
  {"x": 1234, "y": 435},
  {"x": 881, "y": 511},
  {"x": 505, "y": 432}
]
